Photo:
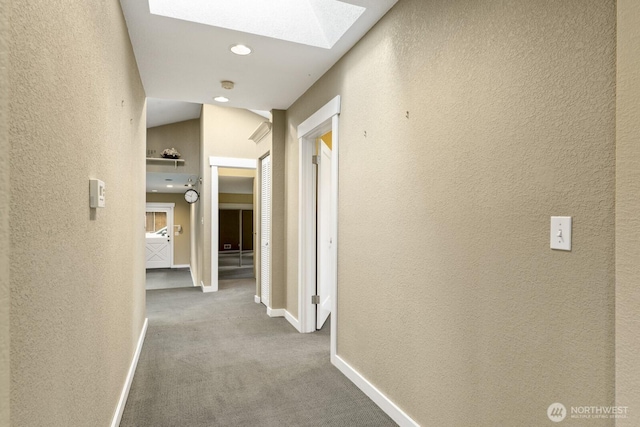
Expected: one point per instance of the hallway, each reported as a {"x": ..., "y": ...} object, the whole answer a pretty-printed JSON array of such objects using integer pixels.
[{"x": 218, "y": 360}]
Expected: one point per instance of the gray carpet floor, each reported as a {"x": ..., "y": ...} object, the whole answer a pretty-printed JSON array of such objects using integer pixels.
[
  {"x": 217, "y": 359},
  {"x": 168, "y": 278},
  {"x": 235, "y": 273},
  {"x": 233, "y": 260},
  {"x": 228, "y": 266}
]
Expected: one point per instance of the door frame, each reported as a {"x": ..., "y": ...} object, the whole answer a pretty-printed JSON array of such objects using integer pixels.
[
  {"x": 324, "y": 120},
  {"x": 170, "y": 220},
  {"x": 216, "y": 163}
]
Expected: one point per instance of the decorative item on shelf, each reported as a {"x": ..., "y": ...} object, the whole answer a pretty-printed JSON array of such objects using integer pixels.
[
  {"x": 170, "y": 153},
  {"x": 192, "y": 181}
]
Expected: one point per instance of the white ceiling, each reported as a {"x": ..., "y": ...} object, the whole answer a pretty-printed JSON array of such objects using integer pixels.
[
  {"x": 164, "y": 111},
  {"x": 158, "y": 181},
  {"x": 319, "y": 23},
  {"x": 185, "y": 61}
]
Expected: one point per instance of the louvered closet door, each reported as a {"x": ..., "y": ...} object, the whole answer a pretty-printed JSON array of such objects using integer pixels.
[{"x": 265, "y": 230}]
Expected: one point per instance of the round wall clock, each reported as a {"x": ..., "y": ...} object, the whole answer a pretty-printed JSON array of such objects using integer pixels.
[{"x": 191, "y": 196}]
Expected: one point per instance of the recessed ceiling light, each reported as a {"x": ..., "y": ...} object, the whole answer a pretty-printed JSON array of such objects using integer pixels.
[
  {"x": 154, "y": 191},
  {"x": 170, "y": 186},
  {"x": 221, "y": 99},
  {"x": 240, "y": 49}
]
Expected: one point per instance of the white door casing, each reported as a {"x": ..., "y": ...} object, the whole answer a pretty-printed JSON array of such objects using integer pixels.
[
  {"x": 159, "y": 248},
  {"x": 324, "y": 120},
  {"x": 324, "y": 242},
  {"x": 265, "y": 230}
]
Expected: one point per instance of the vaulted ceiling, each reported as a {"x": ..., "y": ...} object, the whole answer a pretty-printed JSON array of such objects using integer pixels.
[{"x": 183, "y": 48}]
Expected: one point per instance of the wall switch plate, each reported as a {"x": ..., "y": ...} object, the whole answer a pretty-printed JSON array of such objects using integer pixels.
[
  {"x": 96, "y": 193},
  {"x": 561, "y": 233}
]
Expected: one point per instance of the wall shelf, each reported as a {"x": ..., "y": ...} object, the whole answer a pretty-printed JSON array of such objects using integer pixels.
[{"x": 175, "y": 162}]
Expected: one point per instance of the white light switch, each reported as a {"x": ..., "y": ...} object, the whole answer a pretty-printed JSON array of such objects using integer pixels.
[
  {"x": 96, "y": 193},
  {"x": 561, "y": 233}
]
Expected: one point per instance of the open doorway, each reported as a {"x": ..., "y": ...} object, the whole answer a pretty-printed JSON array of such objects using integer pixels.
[
  {"x": 159, "y": 235},
  {"x": 167, "y": 241},
  {"x": 240, "y": 173},
  {"x": 235, "y": 224},
  {"x": 317, "y": 273}
]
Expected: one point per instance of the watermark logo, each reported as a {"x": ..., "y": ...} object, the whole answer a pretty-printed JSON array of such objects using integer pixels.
[{"x": 556, "y": 412}]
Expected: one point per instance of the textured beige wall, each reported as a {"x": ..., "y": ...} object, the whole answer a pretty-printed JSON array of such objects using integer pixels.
[
  {"x": 184, "y": 137},
  {"x": 181, "y": 216},
  {"x": 458, "y": 310},
  {"x": 77, "y": 111},
  {"x": 627, "y": 208},
  {"x": 4, "y": 213},
  {"x": 236, "y": 172},
  {"x": 225, "y": 133},
  {"x": 235, "y": 198},
  {"x": 278, "y": 288}
]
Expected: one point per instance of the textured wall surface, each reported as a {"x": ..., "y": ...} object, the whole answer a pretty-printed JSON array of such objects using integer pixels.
[
  {"x": 4, "y": 213},
  {"x": 627, "y": 211},
  {"x": 235, "y": 198},
  {"x": 77, "y": 111},
  {"x": 457, "y": 309},
  {"x": 184, "y": 137},
  {"x": 181, "y": 216},
  {"x": 278, "y": 218}
]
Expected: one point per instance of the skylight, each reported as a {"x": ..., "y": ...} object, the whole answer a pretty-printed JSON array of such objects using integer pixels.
[{"x": 319, "y": 23}]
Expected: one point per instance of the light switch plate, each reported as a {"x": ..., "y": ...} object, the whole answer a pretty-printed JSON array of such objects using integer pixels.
[
  {"x": 561, "y": 233},
  {"x": 96, "y": 193}
]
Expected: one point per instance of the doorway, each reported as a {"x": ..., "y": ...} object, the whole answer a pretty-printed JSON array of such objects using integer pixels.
[
  {"x": 159, "y": 235},
  {"x": 218, "y": 165},
  {"x": 317, "y": 238}
]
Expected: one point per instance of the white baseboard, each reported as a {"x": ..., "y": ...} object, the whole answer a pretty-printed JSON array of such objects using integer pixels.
[
  {"x": 207, "y": 289},
  {"x": 292, "y": 320},
  {"x": 181, "y": 266},
  {"x": 256, "y": 299},
  {"x": 117, "y": 417},
  {"x": 390, "y": 408},
  {"x": 277, "y": 312},
  {"x": 193, "y": 278}
]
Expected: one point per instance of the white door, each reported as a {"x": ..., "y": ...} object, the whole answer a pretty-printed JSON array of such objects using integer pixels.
[
  {"x": 323, "y": 240},
  {"x": 265, "y": 230},
  {"x": 159, "y": 232}
]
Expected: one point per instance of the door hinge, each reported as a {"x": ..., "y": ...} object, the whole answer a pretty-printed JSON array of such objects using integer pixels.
[
  {"x": 315, "y": 160},
  {"x": 315, "y": 299}
]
